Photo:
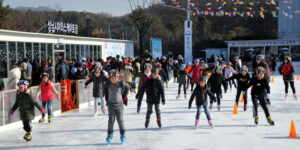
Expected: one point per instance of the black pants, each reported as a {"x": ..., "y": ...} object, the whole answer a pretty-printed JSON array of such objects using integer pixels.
[
  {"x": 184, "y": 88},
  {"x": 239, "y": 91},
  {"x": 286, "y": 83},
  {"x": 219, "y": 95},
  {"x": 232, "y": 82},
  {"x": 150, "y": 110},
  {"x": 262, "y": 101},
  {"x": 27, "y": 125}
]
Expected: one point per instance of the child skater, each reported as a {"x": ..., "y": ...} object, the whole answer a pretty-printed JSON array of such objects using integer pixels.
[
  {"x": 155, "y": 92},
  {"x": 260, "y": 85},
  {"x": 25, "y": 103},
  {"x": 243, "y": 79},
  {"x": 47, "y": 90},
  {"x": 115, "y": 92},
  {"x": 182, "y": 79},
  {"x": 99, "y": 80},
  {"x": 215, "y": 82},
  {"x": 229, "y": 72},
  {"x": 287, "y": 70},
  {"x": 201, "y": 91}
]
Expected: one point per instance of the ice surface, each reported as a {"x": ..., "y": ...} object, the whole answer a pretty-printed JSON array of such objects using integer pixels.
[{"x": 80, "y": 130}]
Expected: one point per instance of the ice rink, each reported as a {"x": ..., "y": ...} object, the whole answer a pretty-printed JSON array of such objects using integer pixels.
[{"x": 80, "y": 130}]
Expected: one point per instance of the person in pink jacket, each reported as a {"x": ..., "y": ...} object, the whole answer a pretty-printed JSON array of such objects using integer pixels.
[
  {"x": 229, "y": 72},
  {"x": 46, "y": 90},
  {"x": 196, "y": 73}
]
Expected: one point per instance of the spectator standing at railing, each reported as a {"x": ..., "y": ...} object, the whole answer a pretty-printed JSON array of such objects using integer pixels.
[
  {"x": 47, "y": 90},
  {"x": 28, "y": 70},
  {"x": 14, "y": 75},
  {"x": 25, "y": 103},
  {"x": 44, "y": 68},
  {"x": 61, "y": 70},
  {"x": 128, "y": 74},
  {"x": 81, "y": 72},
  {"x": 99, "y": 80}
]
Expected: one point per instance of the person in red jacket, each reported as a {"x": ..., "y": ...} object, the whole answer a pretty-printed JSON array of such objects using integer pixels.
[
  {"x": 46, "y": 90},
  {"x": 196, "y": 73},
  {"x": 286, "y": 69}
]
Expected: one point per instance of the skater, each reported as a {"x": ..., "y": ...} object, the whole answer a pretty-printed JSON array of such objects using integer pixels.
[
  {"x": 182, "y": 79},
  {"x": 196, "y": 70},
  {"x": 243, "y": 79},
  {"x": 47, "y": 90},
  {"x": 175, "y": 70},
  {"x": 163, "y": 75},
  {"x": 99, "y": 80},
  {"x": 155, "y": 92},
  {"x": 146, "y": 74},
  {"x": 287, "y": 70},
  {"x": 201, "y": 91},
  {"x": 25, "y": 103},
  {"x": 214, "y": 83},
  {"x": 229, "y": 72},
  {"x": 115, "y": 92},
  {"x": 128, "y": 74},
  {"x": 260, "y": 85}
]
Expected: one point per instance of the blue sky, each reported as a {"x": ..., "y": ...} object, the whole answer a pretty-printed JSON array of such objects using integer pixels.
[{"x": 114, "y": 7}]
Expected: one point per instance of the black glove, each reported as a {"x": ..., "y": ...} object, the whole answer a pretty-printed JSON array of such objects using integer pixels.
[{"x": 214, "y": 99}]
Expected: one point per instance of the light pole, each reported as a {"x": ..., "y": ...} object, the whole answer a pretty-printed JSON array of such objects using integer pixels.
[{"x": 188, "y": 40}]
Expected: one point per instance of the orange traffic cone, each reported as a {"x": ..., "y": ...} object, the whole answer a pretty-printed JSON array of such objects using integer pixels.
[
  {"x": 272, "y": 79},
  {"x": 298, "y": 77},
  {"x": 242, "y": 98},
  {"x": 235, "y": 109},
  {"x": 293, "y": 133}
]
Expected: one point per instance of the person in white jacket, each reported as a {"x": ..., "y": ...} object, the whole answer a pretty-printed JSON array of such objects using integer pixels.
[
  {"x": 14, "y": 75},
  {"x": 229, "y": 72}
]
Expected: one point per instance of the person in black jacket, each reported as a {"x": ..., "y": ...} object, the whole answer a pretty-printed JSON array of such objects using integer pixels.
[
  {"x": 236, "y": 66},
  {"x": 286, "y": 69},
  {"x": 155, "y": 92},
  {"x": 243, "y": 79},
  {"x": 26, "y": 104},
  {"x": 260, "y": 85},
  {"x": 81, "y": 72},
  {"x": 215, "y": 82},
  {"x": 163, "y": 75},
  {"x": 99, "y": 80},
  {"x": 201, "y": 91}
]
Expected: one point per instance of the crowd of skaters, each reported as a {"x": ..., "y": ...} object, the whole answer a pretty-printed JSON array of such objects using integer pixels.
[{"x": 204, "y": 80}]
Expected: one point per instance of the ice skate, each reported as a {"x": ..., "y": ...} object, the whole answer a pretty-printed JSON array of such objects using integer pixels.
[
  {"x": 103, "y": 110},
  {"x": 286, "y": 96},
  {"x": 147, "y": 123},
  {"x": 123, "y": 137},
  {"x": 42, "y": 119},
  {"x": 96, "y": 113},
  {"x": 178, "y": 96},
  {"x": 245, "y": 107},
  {"x": 49, "y": 119},
  {"x": 256, "y": 120},
  {"x": 184, "y": 96},
  {"x": 109, "y": 138},
  {"x": 159, "y": 122},
  {"x": 210, "y": 124},
  {"x": 270, "y": 121},
  {"x": 219, "y": 108},
  {"x": 28, "y": 136},
  {"x": 210, "y": 106},
  {"x": 197, "y": 123},
  {"x": 295, "y": 97}
]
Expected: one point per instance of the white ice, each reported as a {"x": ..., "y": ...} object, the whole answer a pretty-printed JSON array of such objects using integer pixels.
[{"x": 80, "y": 130}]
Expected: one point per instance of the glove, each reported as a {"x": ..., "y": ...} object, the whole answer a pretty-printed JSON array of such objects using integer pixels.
[
  {"x": 43, "y": 111},
  {"x": 36, "y": 98},
  {"x": 11, "y": 112},
  {"x": 125, "y": 103},
  {"x": 85, "y": 87},
  {"x": 57, "y": 97},
  {"x": 138, "y": 109},
  {"x": 214, "y": 99},
  {"x": 267, "y": 96},
  {"x": 125, "y": 100}
]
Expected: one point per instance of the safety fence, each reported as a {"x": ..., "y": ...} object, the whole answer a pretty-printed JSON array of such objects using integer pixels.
[{"x": 69, "y": 99}]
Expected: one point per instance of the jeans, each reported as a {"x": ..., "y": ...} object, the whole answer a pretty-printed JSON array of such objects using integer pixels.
[
  {"x": 49, "y": 107},
  {"x": 150, "y": 110},
  {"x": 184, "y": 87},
  {"x": 205, "y": 110},
  {"x": 96, "y": 102}
]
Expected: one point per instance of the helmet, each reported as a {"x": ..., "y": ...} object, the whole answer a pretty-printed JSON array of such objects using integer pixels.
[
  {"x": 261, "y": 70},
  {"x": 201, "y": 79},
  {"x": 45, "y": 74},
  {"x": 229, "y": 63},
  {"x": 236, "y": 57},
  {"x": 147, "y": 66},
  {"x": 216, "y": 63},
  {"x": 182, "y": 66},
  {"x": 113, "y": 72},
  {"x": 202, "y": 61},
  {"x": 244, "y": 68},
  {"x": 23, "y": 83},
  {"x": 84, "y": 59},
  {"x": 197, "y": 60},
  {"x": 179, "y": 56},
  {"x": 288, "y": 58},
  {"x": 79, "y": 59},
  {"x": 164, "y": 57},
  {"x": 154, "y": 70},
  {"x": 159, "y": 65},
  {"x": 189, "y": 63},
  {"x": 74, "y": 70},
  {"x": 260, "y": 56},
  {"x": 175, "y": 61},
  {"x": 218, "y": 68},
  {"x": 83, "y": 64}
]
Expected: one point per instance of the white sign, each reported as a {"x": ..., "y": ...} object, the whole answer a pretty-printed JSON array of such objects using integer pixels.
[
  {"x": 263, "y": 43},
  {"x": 188, "y": 41},
  {"x": 113, "y": 49},
  {"x": 156, "y": 47},
  {"x": 62, "y": 27}
]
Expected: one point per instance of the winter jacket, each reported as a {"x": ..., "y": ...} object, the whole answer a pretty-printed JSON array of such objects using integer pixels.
[
  {"x": 176, "y": 69},
  {"x": 143, "y": 77},
  {"x": 14, "y": 75},
  {"x": 229, "y": 72},
  {"x": 259, "y": 86},
  {"x": 182, "y": 76},
  {"x": 287, "y": 70},
  {"x": 81, "y": 74},
  {"x": 128, "y": 73},
  {"x": 236, "y": 66},
  {"x": 215, "y": 81},
  {"x": 201, "y": 96},
  {"x": 114, "y": 93},
  {"x": 163, "y": 75},
  {"x": 25, "y": 103},
  {"x": 98, "y": 84},
  {"x": 61, "y": 72},
  {"x": 242, "y": 81},
  {"x": 154, "y": 91},
  {"x": 197, "y": 73}
]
